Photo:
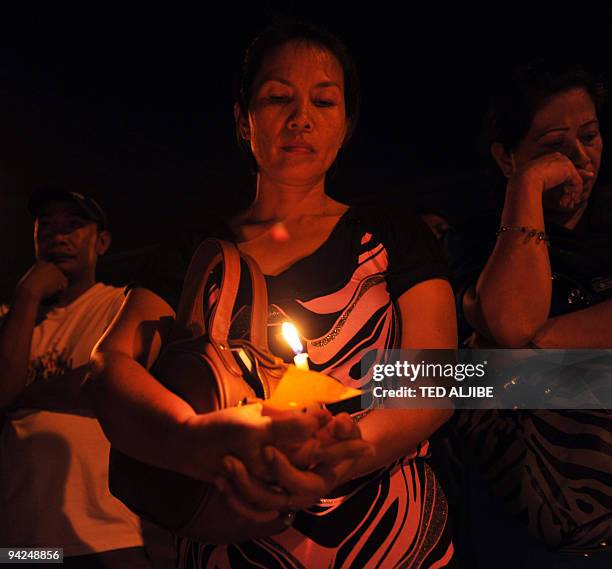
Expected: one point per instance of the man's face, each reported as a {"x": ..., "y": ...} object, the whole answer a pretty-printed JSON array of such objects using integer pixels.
[{"x": 65, "y": 238}]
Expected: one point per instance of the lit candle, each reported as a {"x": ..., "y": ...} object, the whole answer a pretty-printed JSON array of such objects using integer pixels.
[
  {"x": 301, "y": 361},
  {"x": 290, "y": 334}
]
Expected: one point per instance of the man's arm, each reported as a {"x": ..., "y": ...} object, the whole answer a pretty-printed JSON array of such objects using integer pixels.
[
  {"x": 15, "y": 342},
  {"x": 41, "y": 281}
]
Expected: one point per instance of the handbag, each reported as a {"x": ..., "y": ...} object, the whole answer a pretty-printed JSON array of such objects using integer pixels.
[{"x": 209, "y": 371}]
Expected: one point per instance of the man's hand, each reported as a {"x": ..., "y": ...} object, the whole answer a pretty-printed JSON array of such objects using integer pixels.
[{"x": 42, "y": 281}]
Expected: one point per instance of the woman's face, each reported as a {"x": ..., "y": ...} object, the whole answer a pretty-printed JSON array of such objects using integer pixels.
[
  {"x": 296, "y": 121},
  {"x": 568, "y": 124}
]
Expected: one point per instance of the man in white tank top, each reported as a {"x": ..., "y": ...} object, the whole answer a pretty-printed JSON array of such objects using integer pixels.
[{"x": 53, "y": 453}]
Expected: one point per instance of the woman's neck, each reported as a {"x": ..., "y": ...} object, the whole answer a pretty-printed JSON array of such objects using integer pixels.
[
  {"x": 276, "y": 202},
  {"x": 277, "y": 209}
]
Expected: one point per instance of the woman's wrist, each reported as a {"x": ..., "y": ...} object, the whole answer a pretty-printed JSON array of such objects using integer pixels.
[
  {"x": 205, "y": 439},
  {"x": 523, "y": 204},
  {"x": 198, "y": 446}
]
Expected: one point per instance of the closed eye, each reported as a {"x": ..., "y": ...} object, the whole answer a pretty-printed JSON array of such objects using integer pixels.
[
  {"x": 324, "y": 103},
  {"x": 589, "y": 137},
  {"x": 555, "y": 145},
  {"x": 279, "y": 99}
]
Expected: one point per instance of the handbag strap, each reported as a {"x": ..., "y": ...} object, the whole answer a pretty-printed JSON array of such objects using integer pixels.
[
  {"x": 190, "y": 314},
  {"x": 259, "y": 304}
]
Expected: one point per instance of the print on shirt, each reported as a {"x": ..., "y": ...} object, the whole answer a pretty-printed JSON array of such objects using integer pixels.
[{"x": 50, "y": 364}]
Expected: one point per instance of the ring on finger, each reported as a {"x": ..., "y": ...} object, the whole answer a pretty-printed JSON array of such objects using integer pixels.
[{"x": 288, "y": 516}]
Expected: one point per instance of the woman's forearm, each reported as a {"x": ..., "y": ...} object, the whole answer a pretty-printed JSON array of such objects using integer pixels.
[
  {"x": 587, "y": 328},
  {"x": 150, "y": 423},
  {"x": 139, "y": 415},
  {"x": 511, "y": 299},
  {"x": 428, "y": 323},
  {"x": 394, "y": 433}
]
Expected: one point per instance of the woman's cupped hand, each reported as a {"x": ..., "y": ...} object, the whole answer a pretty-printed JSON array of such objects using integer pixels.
[{"x": 293, "y": 472}]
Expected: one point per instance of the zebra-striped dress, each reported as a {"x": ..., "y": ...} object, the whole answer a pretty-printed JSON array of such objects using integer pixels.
[
  {"x": 342, "y": 296},
  {"x": 553, "y": 469}
]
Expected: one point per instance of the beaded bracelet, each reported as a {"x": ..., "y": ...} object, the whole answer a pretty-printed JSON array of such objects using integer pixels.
[
  {"x": 529, "y": 232},
  {"x": 360, "y": 415}
]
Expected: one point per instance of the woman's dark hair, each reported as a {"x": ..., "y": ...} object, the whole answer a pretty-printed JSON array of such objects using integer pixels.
[
  {"x": 519, "y": 95},
  {"x": 281, "y": 34}
]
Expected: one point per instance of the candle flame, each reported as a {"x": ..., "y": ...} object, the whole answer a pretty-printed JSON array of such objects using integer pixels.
[{"x": 291, "y": 336}]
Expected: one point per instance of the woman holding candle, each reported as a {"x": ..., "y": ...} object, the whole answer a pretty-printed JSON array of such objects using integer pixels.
[{"x": 353, "y": 279}]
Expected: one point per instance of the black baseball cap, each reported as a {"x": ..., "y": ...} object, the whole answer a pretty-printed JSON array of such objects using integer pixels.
[{"x": 88, "y": 207}]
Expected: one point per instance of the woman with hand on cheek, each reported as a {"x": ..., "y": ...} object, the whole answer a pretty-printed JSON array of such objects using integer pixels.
[
  {"x": 543, "y": 286},
  {"x": 546, "y": 141}
]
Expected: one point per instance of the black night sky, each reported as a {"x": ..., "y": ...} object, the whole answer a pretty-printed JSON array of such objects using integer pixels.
[{"x": 138, "y": 111}]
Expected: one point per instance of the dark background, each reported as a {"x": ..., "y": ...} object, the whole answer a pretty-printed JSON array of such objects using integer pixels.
[{"x": 137, "y": 109}]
